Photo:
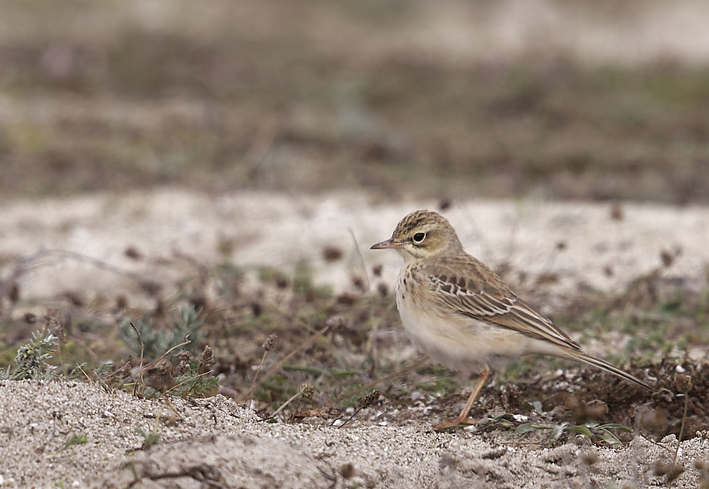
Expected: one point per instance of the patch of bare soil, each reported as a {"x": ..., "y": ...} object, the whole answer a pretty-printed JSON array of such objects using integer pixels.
[{"x": 208, "y": 443}]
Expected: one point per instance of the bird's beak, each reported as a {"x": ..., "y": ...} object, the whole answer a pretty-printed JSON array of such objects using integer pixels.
[{"x": 384, "y": 245}]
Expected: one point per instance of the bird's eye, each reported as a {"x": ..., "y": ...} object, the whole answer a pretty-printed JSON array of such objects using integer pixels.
[{"x": 419, "y": 237}]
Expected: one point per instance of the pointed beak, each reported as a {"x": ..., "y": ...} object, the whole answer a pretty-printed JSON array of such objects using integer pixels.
[{"x": 384, "y": 245}]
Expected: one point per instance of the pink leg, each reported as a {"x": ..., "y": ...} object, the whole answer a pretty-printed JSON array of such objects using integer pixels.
[{"x": 463, "y": 417}]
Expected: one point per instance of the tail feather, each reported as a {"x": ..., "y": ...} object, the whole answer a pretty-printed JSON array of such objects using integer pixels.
[{"x": 597, "y": 362}]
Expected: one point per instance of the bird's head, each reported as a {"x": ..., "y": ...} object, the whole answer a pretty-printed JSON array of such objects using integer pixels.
[{"x": 422, "y": 234}]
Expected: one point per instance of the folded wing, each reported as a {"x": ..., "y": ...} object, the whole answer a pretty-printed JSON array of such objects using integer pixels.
[{"x": 475, "y": 291}]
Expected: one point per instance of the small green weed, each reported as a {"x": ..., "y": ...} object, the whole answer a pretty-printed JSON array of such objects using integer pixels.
[
  {"x": 195, "y": 382},
  {"x": 150, "y": 439},
  {"x": 75, "y": 440},
  {"x": 593, "y": 431},
  {"x": 31, "y": 359}
]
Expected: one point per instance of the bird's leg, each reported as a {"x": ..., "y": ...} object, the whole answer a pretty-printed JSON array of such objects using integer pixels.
[
  {"x": 482, "y": 380},
  {"x": 463, "y": 416}
]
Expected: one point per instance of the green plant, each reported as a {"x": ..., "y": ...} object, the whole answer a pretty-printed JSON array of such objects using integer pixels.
[
  {"x": 593, "y": 431},
  {"x": 151, "y": 343},
  {"x": 194, "y": 382},
  {"x": 149, "y": 439},
  {"x": 75, "y": 440},
  {"x": 31, "y": 359}
]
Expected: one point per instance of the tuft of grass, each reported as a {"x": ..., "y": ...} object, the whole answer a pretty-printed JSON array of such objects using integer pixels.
[{"x": 186, "y": 323}]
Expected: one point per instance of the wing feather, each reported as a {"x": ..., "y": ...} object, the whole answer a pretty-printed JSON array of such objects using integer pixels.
[{"x": 473, "y": 290}]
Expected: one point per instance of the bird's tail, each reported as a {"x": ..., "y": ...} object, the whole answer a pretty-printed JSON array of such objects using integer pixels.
[{"x": 596, "y": 362}]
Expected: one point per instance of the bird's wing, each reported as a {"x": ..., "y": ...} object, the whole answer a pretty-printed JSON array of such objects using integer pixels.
[{"x": 472, "y": 289}]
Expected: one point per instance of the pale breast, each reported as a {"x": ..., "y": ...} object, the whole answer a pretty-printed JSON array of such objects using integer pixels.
[{"x": 451, "y": 339}]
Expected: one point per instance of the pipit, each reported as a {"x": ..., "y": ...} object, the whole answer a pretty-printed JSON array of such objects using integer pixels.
[{"x": 461, "y": 314}]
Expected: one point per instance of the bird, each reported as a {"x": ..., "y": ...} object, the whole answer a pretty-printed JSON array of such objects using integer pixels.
[{"x": 460, "y": 313}]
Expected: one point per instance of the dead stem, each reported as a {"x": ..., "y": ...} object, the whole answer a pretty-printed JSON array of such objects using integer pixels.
[
  {"x": 258, "y": 370},
  {"x": 681, "y": 428},
  {"x": 285, "y": 404},
  {"x": 278, "y": 365}
]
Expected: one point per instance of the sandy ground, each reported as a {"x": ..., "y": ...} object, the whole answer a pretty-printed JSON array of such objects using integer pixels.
[
  {"x": 278, "y": 231},
  {"x": 625, "y": 33},
  {"x": 214, "y": 439},
  {"x": 215, "y": 443},
  {"x": 597, "y": 32}
]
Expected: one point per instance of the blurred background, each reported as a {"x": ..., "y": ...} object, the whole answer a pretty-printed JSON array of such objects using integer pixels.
[{"x": 556, "y": 99}]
